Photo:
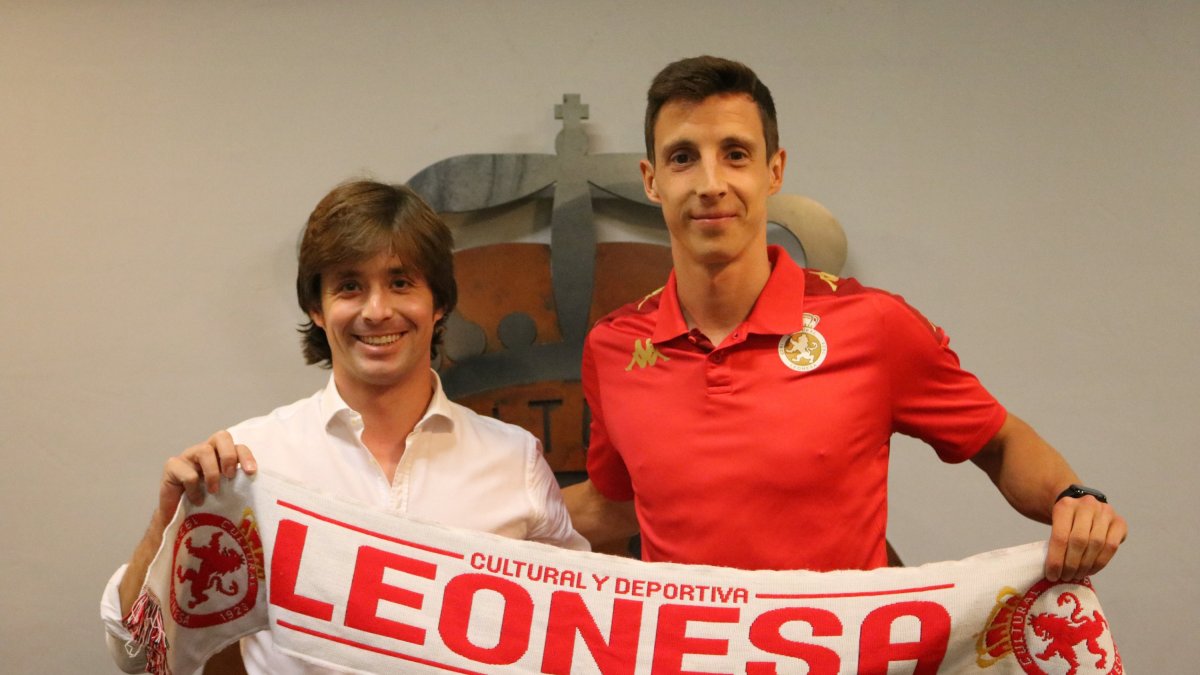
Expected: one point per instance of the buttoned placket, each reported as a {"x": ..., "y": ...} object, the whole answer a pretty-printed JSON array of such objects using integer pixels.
[
  {"x": 413, "y": 449},
  {"x": 397, "y": 489},
  {"x": 718, "y": 373},
  {"x": 416, "y": 445}
]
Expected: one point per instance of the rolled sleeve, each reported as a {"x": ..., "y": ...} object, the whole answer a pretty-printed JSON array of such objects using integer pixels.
[{"x": 116, "y": 635}]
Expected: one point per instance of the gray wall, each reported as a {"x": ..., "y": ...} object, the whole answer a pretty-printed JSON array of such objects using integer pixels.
[{"x": 1024, "y": 172}]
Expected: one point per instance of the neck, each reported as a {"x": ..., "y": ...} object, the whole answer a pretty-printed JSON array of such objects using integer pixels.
[
  {"x": 717, "y": 298},
  {"x": 389, "y": 414}
]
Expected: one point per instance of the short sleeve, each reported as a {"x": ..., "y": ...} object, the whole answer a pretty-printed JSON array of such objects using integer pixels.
[
  {"x": 933, "y": 397},
  {"x": 606, "y": 469}
]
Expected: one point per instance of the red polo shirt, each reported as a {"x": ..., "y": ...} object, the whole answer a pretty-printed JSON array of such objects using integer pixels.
[{"x": 771, "y": 451}]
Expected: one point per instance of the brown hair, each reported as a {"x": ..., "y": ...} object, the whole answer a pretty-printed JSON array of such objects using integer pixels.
[
  {"x": 356, "y": 221},
  {"x": 699, "y": 77}
]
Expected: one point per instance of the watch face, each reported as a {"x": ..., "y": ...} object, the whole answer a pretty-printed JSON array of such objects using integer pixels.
[{"x": 1077, "y": 491}]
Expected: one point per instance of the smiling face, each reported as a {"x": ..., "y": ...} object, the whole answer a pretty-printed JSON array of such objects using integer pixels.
[
  {"x": 378, "y": 316},
  {"x": 712, "y": 176}
]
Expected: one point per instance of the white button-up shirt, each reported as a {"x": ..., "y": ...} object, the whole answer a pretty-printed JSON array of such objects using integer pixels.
[{"x": 459, "y": 468}]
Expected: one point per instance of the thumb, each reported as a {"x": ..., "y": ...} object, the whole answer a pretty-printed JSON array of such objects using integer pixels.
[{"x": 169, "y": 494}]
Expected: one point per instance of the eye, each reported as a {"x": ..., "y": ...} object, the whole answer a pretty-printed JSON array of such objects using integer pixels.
[
  {"x": 347, "y": 286},
  {"x": 738, "y": 155},
  {"x": 401, "y": 283},
  {"x": 679, "y": 157}
]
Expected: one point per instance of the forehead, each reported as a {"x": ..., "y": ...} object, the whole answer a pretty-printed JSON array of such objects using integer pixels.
[
  {"x": 718, "y": 117},
  {"x": 385, "y": 262}
]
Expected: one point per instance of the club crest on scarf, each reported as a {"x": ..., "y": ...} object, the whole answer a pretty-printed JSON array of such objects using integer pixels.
[
  {"x": 216, "y": 568},
  {"x": 1049, "y": 632}
]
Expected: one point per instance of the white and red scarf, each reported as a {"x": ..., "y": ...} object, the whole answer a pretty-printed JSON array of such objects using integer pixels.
[{"x": 338, "y": 583}]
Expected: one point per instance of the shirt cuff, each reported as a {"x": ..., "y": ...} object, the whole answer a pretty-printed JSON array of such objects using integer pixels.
[
  {"x": 110, "y": 606},
  {"x": 116, "y": 635}
]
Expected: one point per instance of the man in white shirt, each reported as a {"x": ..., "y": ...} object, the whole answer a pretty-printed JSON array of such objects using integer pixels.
[{"x": 376, "y": 279}]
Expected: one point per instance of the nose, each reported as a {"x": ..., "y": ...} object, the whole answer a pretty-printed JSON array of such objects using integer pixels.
[
  {"x": 376, "y": 306},
  {"x": 712, "y": 180}
]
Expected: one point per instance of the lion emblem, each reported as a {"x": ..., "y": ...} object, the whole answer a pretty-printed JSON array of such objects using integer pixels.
[
  {"x": 216, "y": 561},
  {"x": 801, "y": 348},
  {"x": 804, "y": 349},
  {"x": 1065, "y": 634}
]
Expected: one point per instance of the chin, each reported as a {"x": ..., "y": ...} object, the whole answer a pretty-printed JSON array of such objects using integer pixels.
[{"x": 712, "y": 255}]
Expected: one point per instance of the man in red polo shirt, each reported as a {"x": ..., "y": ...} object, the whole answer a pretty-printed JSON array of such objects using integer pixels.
[{"x": 742, "y": 415}]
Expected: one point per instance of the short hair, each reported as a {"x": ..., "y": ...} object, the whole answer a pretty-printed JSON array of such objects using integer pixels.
[
  {"x": 358, "y": 220},
  {"x": 695, "y": 79}
]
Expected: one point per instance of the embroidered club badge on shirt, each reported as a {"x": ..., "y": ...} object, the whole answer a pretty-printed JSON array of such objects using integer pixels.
[{"x": 805, "y": 349}]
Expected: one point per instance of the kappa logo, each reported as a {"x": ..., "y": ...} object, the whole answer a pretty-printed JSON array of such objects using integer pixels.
[
  {"x": 830, "y": 279},
  {"x": 645, "y": 354},
  {"x": 805, "y": 349},
  {"x": 217, "y": 567},
  {"x": 1050, "y": 633}
]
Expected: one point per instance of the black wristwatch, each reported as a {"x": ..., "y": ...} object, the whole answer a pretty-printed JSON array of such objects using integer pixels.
[{"x": 1077, "y": 491}]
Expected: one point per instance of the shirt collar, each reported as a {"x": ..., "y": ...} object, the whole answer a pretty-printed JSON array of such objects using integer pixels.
[
  {"x": 440, "y": 406},
  {"x": 775, "y": 312},
  {"x": 781, "y": 302},
  {"x": 332, "y": 405},
  {"x": 670, "y": 323},
  {"x": 439, "y": 411}
]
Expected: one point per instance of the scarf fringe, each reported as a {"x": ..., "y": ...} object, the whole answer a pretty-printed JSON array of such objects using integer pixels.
[{"x": 145, "y": 624}]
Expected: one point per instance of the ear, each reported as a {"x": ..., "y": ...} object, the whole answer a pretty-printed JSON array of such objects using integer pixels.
[
  {"x": 438, "y": 314},
  {"x": 317, "y": 318},
  {"x": 775, "y": 166},
  {"x": 648, "y": 181}
]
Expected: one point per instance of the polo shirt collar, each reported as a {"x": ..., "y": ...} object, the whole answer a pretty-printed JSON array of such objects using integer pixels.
[
  {"x": 439, "y": 412},
  {"x": 669, "y": 323},
  {"x": 775, "y": 311},
  {"x": 781, "y": 303}
]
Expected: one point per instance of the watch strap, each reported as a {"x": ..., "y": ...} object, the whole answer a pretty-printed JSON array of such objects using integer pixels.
[{"x": 1076, "y": 491}]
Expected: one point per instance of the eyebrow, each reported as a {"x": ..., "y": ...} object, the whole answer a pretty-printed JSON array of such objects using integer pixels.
[
  {"x": 743, "y": 141},
  {"x": 672, "y": 145},
  {"x": 343, "y": 273},
  {"x": 676, "y": 144},
  {"x": 355, "y": 270}
]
